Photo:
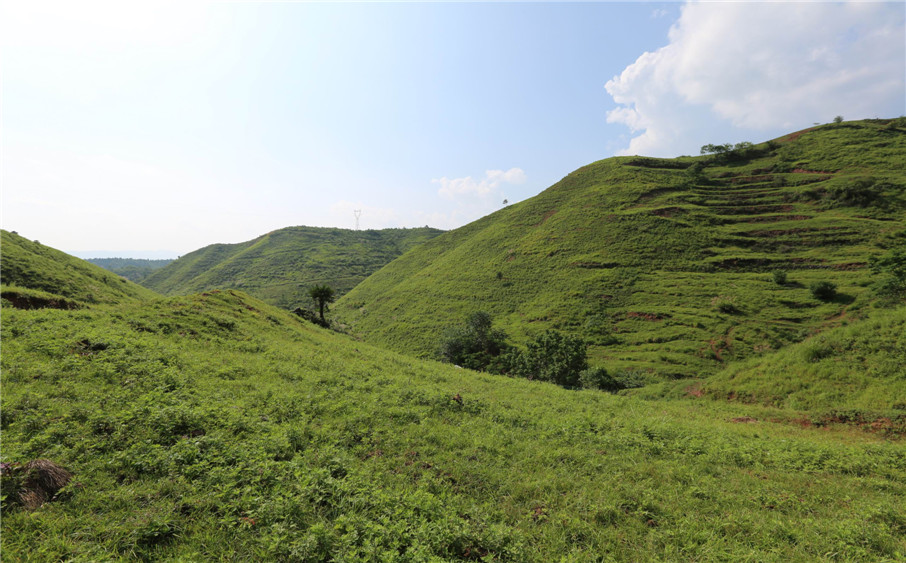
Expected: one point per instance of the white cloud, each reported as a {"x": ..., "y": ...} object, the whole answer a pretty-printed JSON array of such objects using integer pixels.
[
  {"x": 456, "y": 187},
  {"x": 760, "y": 67}
]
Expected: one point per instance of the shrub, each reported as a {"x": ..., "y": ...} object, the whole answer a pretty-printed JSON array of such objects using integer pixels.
[
  {"x": 725, "y": 304},
  {"x": 598, "y": 378},
  {"x": 860, "y": 192},
  {"x": 475, "y": 345},
  {"x": 891, "y": 266},
  {"x": 824, "y": 290},
  {"x": 553, "y": 357},
  {"x": 779, "y": 277}
]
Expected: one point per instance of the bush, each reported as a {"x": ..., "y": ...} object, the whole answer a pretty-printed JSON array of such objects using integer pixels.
[
  {"x": 860, "y": 192},
  {"x": 475, "y": 345},
  {"x": 725, "y": 304},
  {"x": 779, "y": 277},
  {"x": 891, "y": 267},
  {"x": 598, "y": 378},
  {"x": 824, "y": 290},
  {"x": 553, "y": 357}
]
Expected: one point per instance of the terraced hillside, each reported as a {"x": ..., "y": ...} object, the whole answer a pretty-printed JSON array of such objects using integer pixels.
[
  {"x": 35, "y": 276},
  {"x": 664, "y": 265},
  {"x": 216, "y": 427},
  {"x": 282, "y": 265},
  {"x": 856, "y": 371}
]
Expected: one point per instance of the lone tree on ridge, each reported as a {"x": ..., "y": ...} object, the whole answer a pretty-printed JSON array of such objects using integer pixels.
[{"x": 323, "y": 294}]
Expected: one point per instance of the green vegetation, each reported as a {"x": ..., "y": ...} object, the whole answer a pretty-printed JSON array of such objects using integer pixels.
[
  {"x": 216, "y": 427},
  {"x": 552, "y": 357},
  {"x": 32, "y": 272},
  {"x": 860, "y": 367},
  {"x": 322, "y": 295},
  {"x": 476, "y": 345},
  {"x": 823, "y": 290},
  {"x": 133, "y": 269},
  {"x": 280, "y": 266},
  {"x": 890, "y": 268},
  {"x": 662, "y": 265}
]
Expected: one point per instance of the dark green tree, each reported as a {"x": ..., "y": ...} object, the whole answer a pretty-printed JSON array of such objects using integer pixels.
[
  {"x": 475, "y": 344},
  {"x": 322, "y": 294},
  {"x": 555, "y": 357}
]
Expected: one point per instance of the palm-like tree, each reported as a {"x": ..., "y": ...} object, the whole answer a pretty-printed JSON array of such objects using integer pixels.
[{"x": 323, "y": 294}]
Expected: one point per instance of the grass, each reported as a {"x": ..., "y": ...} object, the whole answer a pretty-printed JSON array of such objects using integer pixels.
[
  {"x": 214, "y": 426},
  {"x": 856, "y": 367},
  {"x": 282, "y": 265},
  {"x": 633, "y": 253},
  {"x": 31, "y": 265}
]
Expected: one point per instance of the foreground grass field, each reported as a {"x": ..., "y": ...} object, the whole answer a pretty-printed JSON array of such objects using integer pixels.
[{"x": 214, "y": 427}]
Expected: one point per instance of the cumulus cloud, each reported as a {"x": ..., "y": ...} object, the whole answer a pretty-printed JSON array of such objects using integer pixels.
[
  {"x": 487, "y": 186},
  {"x": 760, "y": 67}
]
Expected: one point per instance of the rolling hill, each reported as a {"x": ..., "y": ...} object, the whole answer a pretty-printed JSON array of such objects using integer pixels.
[
  {"x": 282, "y": 265},
  {"x": 217, "y": 427},
  {"x": 34, "y": 275},
  {"x": 665, "y": 266}
]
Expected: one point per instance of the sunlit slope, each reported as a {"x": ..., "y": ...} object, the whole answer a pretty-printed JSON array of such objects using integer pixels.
[
  {"x": 281, "y": 266},
  {"x": 860, "y": 367},
  {"x": 33, "y": 274},
  {"x": 215, "y": 427},
  {"x": 666, "y": 270}
]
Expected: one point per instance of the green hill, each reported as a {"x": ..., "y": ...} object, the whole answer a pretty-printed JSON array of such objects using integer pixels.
[
  {"x": 279, "y": 267},
  {"x": 133, "y": 269},
  {"x": 663, "y": 265},
  {"x": 34, "y": 275},
  {"x": 216, "y": 427}
]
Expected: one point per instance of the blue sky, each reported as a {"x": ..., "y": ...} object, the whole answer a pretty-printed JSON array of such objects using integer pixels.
[{"x": 137, "y": 127}]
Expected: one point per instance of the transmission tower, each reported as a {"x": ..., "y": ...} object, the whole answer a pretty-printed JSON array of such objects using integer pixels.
[{"x": 357, "y": 213}]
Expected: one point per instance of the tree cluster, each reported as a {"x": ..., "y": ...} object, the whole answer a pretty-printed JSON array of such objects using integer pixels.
[
  {"x": 552, "y": 356},
  {"x": 730, "y": 152}
]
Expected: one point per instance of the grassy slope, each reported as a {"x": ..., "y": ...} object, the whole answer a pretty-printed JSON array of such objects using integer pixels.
[
  {"x": 859, "y": 367},
  {"x": 280, "y": 266},
  {"x": 635, "y": 255},
  {"x": 216, "y": 427},
  {"x": 28, "y": 265}
]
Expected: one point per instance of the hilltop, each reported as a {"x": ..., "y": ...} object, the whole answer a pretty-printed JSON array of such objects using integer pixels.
[
  {"x": 215, "y": 426},
  {"x": 279, "y": 267},
  {"x": 665, "y": 266},
  {"x": 34, "y": 275}
]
